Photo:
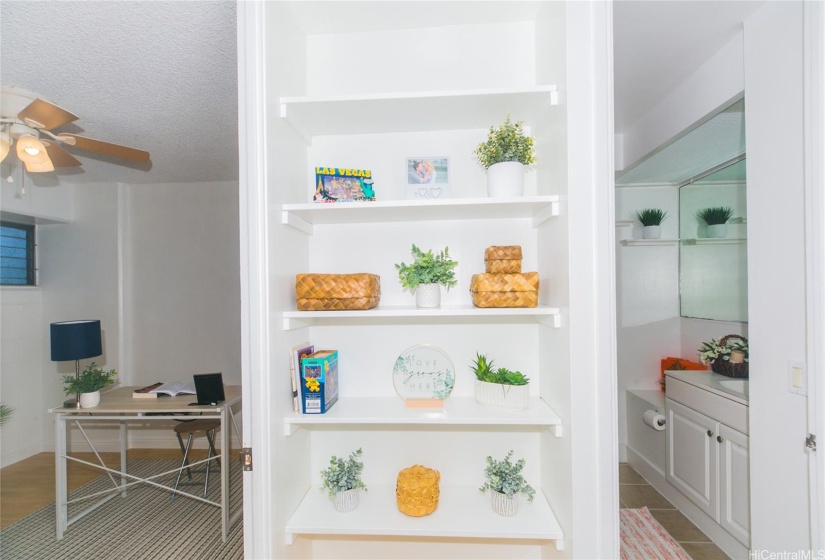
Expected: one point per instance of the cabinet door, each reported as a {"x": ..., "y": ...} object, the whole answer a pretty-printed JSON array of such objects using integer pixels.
[
  {"x": 734, "y": 484},
  {"x": 692, "y": 463}
]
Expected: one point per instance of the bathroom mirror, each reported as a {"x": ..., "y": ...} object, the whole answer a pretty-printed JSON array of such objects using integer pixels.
[{"x": 713, "y": 271}]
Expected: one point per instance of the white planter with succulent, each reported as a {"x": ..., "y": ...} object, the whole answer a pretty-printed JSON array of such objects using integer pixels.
[
  {"x": 426, "y": 274},
  {"x": 342, "y": 481},
  {"x": 506, "y": 155},
  {"x": 505, "y": 483},
  {"x": 651, "y": 219},
  {"x": 87, "y": 384},
  {"x": 500, "y": 387},
  {"x": 717, "y": 220}
]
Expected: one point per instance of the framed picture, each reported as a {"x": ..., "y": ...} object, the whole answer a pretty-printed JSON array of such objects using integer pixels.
[
  {"x": 428, "y": 177},
  {"x": 338, "y": 184}
]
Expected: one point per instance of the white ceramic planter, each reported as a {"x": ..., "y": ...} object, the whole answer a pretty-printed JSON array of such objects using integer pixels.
[
  {"x": 346, "y": 501},
  {"x": 717, "y": 231},
  {"x": 505, "y": 179},
  {"x": 503, "y": 504},
  {"x": 428, "y": 295},
  {"x": 89, "y": 400},
  {"x": 516, "y": 397},
  {"x": 652, "y": 232}
]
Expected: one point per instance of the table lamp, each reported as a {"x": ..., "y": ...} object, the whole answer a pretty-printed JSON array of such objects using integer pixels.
[{"x": 75, "y": 340}]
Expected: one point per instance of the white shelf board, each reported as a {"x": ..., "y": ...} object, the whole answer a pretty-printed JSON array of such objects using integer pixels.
[
  {"x": 304, "y": 216},
  {"x": 713, "y": 241},
  {"x": 415, "y": 111},
  {"x": 457, "y": 411},
  {"x": 643, "y": 242},
  {"x": 463, "y": 512},
  {"x": 298, "y": 319},
  {"x": 624, "y": 223}
]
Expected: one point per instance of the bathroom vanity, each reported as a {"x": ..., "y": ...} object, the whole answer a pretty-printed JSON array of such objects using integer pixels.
[{"x": 707, "y": 446}]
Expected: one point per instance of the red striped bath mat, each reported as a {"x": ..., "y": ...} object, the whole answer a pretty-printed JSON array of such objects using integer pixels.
[{"x": 643, "y": 538}]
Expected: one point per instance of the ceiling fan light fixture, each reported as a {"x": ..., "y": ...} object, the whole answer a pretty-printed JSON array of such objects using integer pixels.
[
  {"x": 31, "y": 150},
  {"x": 5, "y": 145}
]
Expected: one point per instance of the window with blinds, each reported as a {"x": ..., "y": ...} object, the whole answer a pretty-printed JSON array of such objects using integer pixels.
[{"x": 17, "y": 262}]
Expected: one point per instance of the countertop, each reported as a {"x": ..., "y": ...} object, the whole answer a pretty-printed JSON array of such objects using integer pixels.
[{"x": 713, "y": 382}]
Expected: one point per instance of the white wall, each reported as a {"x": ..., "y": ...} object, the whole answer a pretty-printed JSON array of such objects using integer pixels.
[{"x": 776, "y": 270}]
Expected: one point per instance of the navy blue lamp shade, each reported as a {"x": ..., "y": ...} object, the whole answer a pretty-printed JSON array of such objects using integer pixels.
[{"x": 75, "y": 340}]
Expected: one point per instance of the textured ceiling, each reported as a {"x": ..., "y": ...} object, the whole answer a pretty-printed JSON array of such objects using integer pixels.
[{"x": 159, "y": 76}]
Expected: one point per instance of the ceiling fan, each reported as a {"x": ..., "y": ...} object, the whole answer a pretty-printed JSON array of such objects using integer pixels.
[{"x": 28, "y": 121}]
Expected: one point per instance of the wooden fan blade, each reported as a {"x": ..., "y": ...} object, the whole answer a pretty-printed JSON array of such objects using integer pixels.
[
  {"x": 42, "y": 114},
  {"x": 59, "y": 156},
  {"x": 101, "y": 147}
]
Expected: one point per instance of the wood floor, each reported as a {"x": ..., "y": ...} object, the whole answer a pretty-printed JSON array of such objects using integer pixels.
[{"x": 28, "y": 485}]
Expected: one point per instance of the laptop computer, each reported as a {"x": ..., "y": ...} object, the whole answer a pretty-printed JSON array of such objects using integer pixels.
[{"x": 209, "y": 388}]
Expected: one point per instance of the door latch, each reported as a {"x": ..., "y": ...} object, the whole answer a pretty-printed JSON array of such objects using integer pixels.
[
  {"x": 246, "y": 458},
  {"x": 810, "y": 442}
]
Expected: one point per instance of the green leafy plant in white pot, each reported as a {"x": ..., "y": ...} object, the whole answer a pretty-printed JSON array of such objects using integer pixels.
[
  {"x": 717, "y": 220},
  {"x": 506, "y": 155},
  {"x": 651, "y": 219},
  {"x": 342, "y": 481},
  {"x": 88, "y": 384},
  {"x": 426, "y": 274},
  {"x": 500, "y": 387},
  {"x": 505, "y": 482}
]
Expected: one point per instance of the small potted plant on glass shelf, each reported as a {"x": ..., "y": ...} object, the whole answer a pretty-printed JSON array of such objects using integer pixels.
[
  {"x": 651, "y": 219},
  {"x": 426, "y": 274},
  {"x": 505, "y": 482},
  {"x": 506, "y": 155},
  {"x": 500, "y": 387},
  {"x": 88, "y": 384},
  {"x": 717, "y": 220},
  {"x": 342, "y": 481}
]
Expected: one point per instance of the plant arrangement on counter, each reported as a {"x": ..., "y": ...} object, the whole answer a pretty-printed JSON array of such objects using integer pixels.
[
  {"x": 729, "y": 356},
  {"x": 505, "y": 482},
  {"x": 342, "y": 481},
  {"x": 426, "y": 274},
  {"x": 499, "y": 387},
  {"x": 506, "y": 154},
  {"x": 651, "y": 219},
  {"x": 88, "y": 384},
  {"x": 716, "y": 218}
]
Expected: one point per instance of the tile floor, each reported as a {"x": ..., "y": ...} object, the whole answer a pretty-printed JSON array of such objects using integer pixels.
[{"x": 635, "y": 492}]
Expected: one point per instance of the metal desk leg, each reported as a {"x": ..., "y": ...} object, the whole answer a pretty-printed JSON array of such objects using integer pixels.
[
  {"x": 60, "y": 490},
  {"x": 123, "y": 455},
  {"x": 226, "y": 465}
]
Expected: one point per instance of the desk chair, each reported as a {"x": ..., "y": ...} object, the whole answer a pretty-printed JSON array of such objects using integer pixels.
[{"x": 194, "y": 428}]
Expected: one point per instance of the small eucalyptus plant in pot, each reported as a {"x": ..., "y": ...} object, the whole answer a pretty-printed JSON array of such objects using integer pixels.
[
  {"x": 505, "y": 482},
  {"x": 342, "y": 481},
  {"x": 506, "y": 154},
  {"x": 651, "y": 219},
  {"x": 88, "y": 384},
  {"x": 426, "y": 274},
  {"x": 500, "y": 387},
  {"x": 717, "y": 220}
]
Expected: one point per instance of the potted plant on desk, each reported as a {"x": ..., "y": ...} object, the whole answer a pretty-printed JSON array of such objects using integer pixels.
[{"x": 88, "y": 384}]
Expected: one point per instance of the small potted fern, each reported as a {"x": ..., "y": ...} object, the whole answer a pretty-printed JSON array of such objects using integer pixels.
[
  {"x": 342, "y": 481},
  {"x": 88, "y": 384},
  {"x": 506, "y": 155},
  {"x": 651, "y": 219},
  {"x": 426, "y": 274},
  {"x": 717, "y": 220},
  {"x": 500, "y": 387},
  {"x": 505, "y": 482}
]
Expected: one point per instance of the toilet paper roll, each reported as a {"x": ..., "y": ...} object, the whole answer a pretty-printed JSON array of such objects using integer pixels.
[{"x": 654, "y": 419}]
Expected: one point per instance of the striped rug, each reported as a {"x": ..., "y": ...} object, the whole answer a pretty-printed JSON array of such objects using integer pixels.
[
  {"x": 643, "y": 538},
  {"x": 145, "y": 524}
]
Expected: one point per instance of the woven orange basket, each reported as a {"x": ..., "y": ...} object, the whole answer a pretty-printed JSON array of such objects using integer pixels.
[
  {"x": 505, "y": 259},
  {"x": 505, "y": 290},
  {"x": 417, "y": 491},
  {"x": 337, "y": 292}
]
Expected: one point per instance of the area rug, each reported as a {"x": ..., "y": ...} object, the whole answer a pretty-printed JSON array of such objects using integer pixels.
[
  {"x": 147, "y": 523},
  {"x": 643, "y": 538}
]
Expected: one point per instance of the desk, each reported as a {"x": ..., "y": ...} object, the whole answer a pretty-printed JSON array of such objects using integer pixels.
[{"x": 119, "y": 405}]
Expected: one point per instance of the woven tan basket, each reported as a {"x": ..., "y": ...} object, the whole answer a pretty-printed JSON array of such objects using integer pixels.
[
  {"x": 337, "y": 292},
  {"x": 417, "y": 491},
  {"x": 503, "y": 266},
  {"x": 505, "y": 290},
  {"x": 728, "y": 369},
  {"x": 504, "y": 259}
]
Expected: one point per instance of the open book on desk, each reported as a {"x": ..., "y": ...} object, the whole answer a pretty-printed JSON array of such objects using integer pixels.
[{"x": 174, "y": 389}]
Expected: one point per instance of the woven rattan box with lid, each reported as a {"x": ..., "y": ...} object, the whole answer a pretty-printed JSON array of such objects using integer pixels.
[
  {"x": 505, "y": 290},
  {"x": 337, "y": 292},
  {"x": 503, "y": 259}
]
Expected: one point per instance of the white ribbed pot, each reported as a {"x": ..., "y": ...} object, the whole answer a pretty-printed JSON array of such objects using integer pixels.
[
  {"x": 89, "y": 400},
  {"x": 503, "y": 504},
  {"x": 717, "y": 231},
  {"x": 652, "y": 232},
  {"x": 516, "y": 397},
  {"x": 428, "y": 295},
  {"x": 505, "y": 179},
  {"x": 345, "y": 501}
]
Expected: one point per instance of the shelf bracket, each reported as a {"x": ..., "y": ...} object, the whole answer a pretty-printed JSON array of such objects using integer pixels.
[
  {"x": 290, "y": 429},
  {"x": 546, "y": 214},
  {"x": 290, "y": 323},
  {"x": 289, "y": 539},
  {"x": 559, "y": 544},
  {"x": 291, "y": 220},
  {"x": 557, "y": 430},
  {"x": 551, "y": 321},
  {"x": 296, "y": 124}
]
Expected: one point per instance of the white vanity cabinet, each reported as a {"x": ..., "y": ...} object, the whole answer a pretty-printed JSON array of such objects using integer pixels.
[{"x": 707, "y": 449}]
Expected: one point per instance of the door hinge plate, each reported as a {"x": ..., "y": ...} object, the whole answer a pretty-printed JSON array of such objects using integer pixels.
[
  {"x": 246, "y": 458},
  {"x": 810, "y": 442}
]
